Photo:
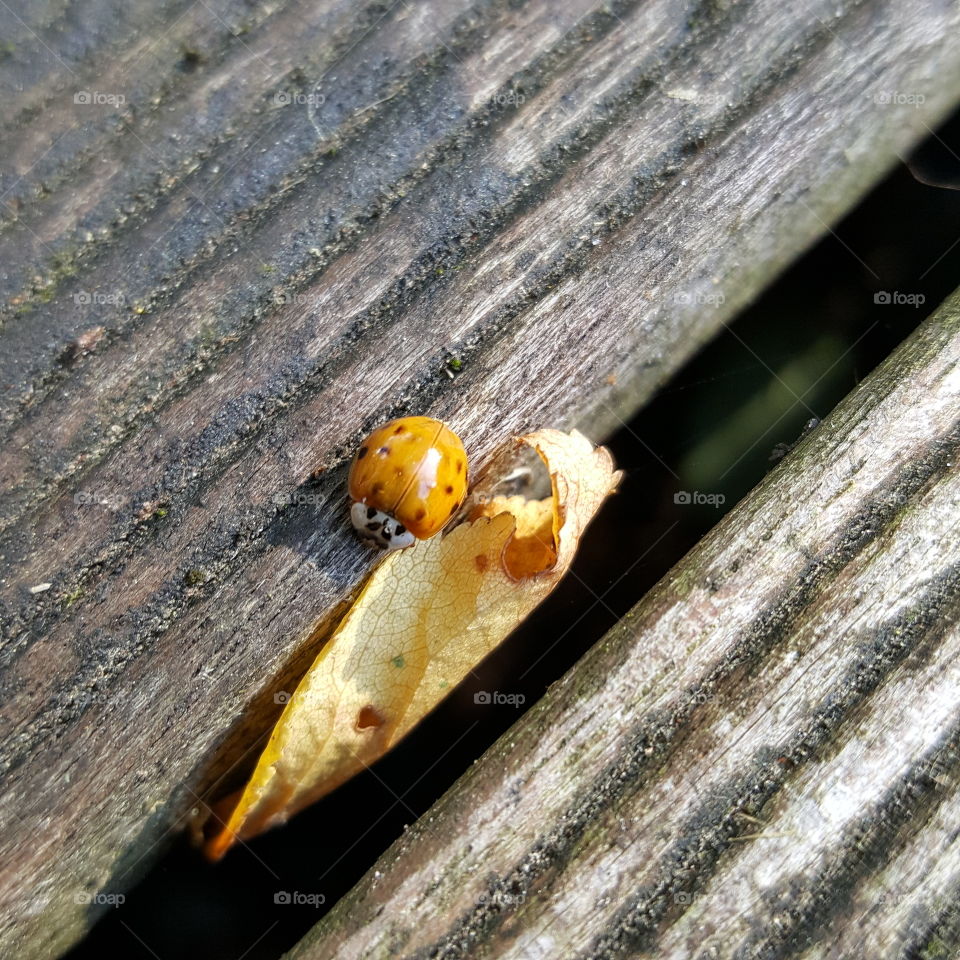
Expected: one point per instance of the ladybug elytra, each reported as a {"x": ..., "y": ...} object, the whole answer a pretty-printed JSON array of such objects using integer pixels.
[{"x": 407, "y": 479}]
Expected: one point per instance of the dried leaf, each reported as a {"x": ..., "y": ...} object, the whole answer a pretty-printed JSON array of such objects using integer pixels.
[{"x": 426, "y": 616}]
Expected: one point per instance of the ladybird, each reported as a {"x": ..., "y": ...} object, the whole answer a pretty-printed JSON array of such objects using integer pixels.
[{"x": 407, "y": 479}]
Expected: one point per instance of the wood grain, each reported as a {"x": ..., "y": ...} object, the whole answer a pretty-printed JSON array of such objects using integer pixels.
[
  {"x": 299, "y": 220},
  {"x": 761, "y": 760}
]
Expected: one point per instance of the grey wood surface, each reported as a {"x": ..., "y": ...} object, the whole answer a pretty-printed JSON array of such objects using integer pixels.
[
  {"x": 762, "y": 759},
  {"x": 233, "y": 238}
]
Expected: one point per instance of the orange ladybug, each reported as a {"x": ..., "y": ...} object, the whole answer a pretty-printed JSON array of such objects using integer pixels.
[{"x": 407, "y": 480}]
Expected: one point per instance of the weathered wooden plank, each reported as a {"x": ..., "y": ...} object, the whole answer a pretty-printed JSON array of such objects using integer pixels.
[
  {"x": 560, "y": 197},
  {"x": 762, "y": 759}
]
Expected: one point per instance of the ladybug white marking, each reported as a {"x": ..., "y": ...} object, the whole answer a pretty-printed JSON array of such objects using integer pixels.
[{"x": 380, "y": 527}]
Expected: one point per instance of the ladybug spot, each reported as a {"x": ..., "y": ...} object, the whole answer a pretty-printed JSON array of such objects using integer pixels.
[
  {"x": 481, "y": 562},
  {"x": 369, "y": 717},
  {"x": 398, "y": 430},
  {"x": 459, "y": 466},
  {"x": 420, "y": 514},
  {"x": 362, "y": 452},
  {"x": 449, "y": 489}
]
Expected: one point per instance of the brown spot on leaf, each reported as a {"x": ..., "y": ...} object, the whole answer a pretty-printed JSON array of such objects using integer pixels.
[
  {"x": 481, "y": 562},
  {"x": 369, "y": 717}
]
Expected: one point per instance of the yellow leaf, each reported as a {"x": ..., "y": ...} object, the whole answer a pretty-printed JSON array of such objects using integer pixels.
[{"x": 426, "y": 616}]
